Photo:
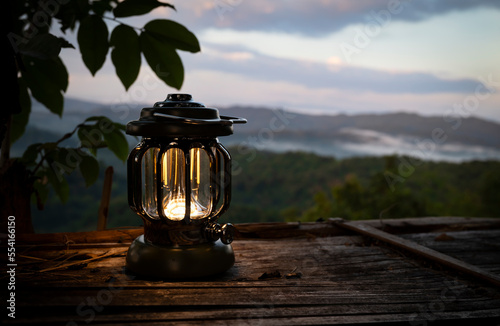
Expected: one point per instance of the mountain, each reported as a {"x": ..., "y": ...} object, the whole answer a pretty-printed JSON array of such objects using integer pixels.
[
  {"x": 471, "y": 131},
  {"x": 430, "y": 138},
  {"x": 275, "y": 186}
]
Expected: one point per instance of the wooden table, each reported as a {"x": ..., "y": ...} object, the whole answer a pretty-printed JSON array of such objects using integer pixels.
[{"x": 285, "y": 274}]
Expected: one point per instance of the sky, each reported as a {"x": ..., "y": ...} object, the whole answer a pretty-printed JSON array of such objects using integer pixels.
[{"x": 436, "y": 58}]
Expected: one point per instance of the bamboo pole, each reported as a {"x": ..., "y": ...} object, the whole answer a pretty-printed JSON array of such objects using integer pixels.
[{"x": 106, "y": 195}]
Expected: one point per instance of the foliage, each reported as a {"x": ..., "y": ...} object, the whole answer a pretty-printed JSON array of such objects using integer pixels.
[
  {"x": 43, "y": 76},
  {"x": 307, "y": 187},
  {"x": 435, "y": 189},
  {"x": 270, "y": 187},
  {"x": 352, "y": 200}
]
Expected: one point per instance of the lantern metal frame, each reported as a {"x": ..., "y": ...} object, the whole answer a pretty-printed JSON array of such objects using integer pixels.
[
  {"x": 188, "y": 247},
  {"x": 135, "y": 199}
]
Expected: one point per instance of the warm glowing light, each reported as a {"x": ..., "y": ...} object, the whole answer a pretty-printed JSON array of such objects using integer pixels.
[
  {"x": 176, "y": 209},
  {"x": 174, "y": 188}
]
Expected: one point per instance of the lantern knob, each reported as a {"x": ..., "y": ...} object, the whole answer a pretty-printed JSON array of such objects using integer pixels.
[
  {"x": 179, "y": 97},
  {"x": 225, "y": 232}
]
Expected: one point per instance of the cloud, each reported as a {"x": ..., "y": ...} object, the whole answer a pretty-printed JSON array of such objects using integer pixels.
[
  {"x": 330, "y": 74},
  {"x": 311, "y": 18},
  {"x": 223, "y": 89}
]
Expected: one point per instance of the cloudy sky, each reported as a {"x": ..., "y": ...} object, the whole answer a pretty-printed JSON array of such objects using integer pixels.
[{"x": 318, "y": 56}]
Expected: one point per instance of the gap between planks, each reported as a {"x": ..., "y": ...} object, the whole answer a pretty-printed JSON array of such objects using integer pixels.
[{"x": 420, "y": 250}]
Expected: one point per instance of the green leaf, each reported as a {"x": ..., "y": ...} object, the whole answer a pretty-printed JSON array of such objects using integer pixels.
[
  {"x": 91, "y": 136},
  {"x": 70, "y": 158},
  {"x": 61, "y": 160},
  {"x": 72, "y": 11},
  {"x": 101, "y": 7},
  {"x": 163, "y": 60},
  {"x": 31, "y": 154},
  {"x": 47, "y": 80},
  {"x": 59, "y": 184},
  {"x": 117, "y": 143},
  {"x": 93, "y": 41},
  {"x": 20, "y": 120},
  {"x": 126, "y": 54},
  {"x": 175, "y": 34},
  {"x": 49, "y": 146},
  {"x": 120, "y": 126},
  {"x": 129, "y": 8},
  {"x": 96, "y": 118},
  {"x": 44, "y": 46},
  {"x": 89, "y": 168}
]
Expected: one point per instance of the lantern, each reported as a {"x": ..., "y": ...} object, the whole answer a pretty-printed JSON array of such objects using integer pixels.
[{"x": 179, "y": 183}]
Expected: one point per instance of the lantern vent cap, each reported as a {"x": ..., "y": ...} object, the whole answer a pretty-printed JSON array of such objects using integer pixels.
[{"x": 180, "y": 116}]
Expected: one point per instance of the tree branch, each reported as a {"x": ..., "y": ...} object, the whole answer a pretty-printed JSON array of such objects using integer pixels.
[
  {"x": 121, "y": 23},
  {"x": 66, "y": 136},
  {"x": 5, "y": 150}
]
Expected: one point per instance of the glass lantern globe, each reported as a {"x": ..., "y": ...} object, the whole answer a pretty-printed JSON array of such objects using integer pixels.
[{"x": 179, "y": 183}]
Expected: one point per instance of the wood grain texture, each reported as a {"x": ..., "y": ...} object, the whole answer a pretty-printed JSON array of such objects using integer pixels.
[
  {"x": 316, "y": 279},
  {"x": 423, "y": 251}
]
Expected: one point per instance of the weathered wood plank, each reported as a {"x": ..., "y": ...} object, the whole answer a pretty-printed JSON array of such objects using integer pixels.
[
  {"x": 317, "y": 260},
  {"x": 344, "y": 279},
  {"x": 386, "y": 319},
  {"x": 433, "y": 224},
  {"x": 410, "y": 312},
  {"x": 312, "y": 258},
  {"x": 479, "y": 247},
  {"x": 274, "y": 230},
  {"x": 423, "y": 251},
  {"x": 122, "y": 235},
  {"x": 189, "y": 298}
]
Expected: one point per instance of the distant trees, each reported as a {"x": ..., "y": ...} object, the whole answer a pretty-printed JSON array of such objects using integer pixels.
[
  {"x": 489, "y": 193},
  {"x": 351, "y": 200},
  {"x": 436, "y": 189},
  {"x": 301, "y": 186}
]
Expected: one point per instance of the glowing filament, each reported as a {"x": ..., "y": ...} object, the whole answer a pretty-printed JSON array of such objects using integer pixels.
[
  {"x": 174, "y": 184},
  {"x": 176, "y": 209}
]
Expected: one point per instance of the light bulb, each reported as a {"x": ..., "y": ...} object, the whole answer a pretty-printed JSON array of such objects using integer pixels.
[
  {"x": 176, "y": 209},
  {"x": 174, "y": 186}
]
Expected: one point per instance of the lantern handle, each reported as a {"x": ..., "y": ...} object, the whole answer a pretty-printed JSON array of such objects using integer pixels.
[
  {"x": 223, "y": 119},
  {"x": 234, "y": 119}
]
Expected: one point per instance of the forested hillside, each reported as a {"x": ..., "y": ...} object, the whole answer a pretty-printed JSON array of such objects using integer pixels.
[
  {"x": 299, "y": 186},
  {"x": 440, "y": 138}
]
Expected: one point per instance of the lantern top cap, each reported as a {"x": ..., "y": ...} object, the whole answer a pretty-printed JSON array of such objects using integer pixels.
[
  {"x": 179, "y": 97},
  {"x": 179, "y": 100},
  {"x": 180, "y": 116}
]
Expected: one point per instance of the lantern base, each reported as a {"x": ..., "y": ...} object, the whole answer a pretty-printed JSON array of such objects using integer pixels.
[{"x": 178, "y": 262}]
